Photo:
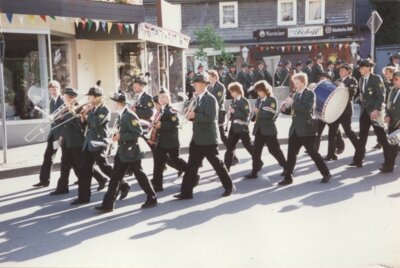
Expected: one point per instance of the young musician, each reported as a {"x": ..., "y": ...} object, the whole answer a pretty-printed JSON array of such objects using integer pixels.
[
  {"x": 301, "y": 131},
  {"x": 166, "y": 139},
  {"x": 56, "y": 101},
  {"x": 265, "y": 132},
  {"x": 71, "y": 140},
  {"x": 128, "y": 154},
  {"x": 238, "y": 115},
  {"x": 204, "y": 141},
  {"x": 96, "y": 114}
]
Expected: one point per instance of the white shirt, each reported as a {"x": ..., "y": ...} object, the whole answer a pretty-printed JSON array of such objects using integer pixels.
[
  {"x": 365, "y": 82},
  {"x": 397, "y": 95},
  {"x": 200, "y": 96},
  {"x": 139, "y": 96}
]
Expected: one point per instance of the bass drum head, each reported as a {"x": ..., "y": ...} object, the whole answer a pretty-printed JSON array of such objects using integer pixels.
[{"x": 335, "y": 104}]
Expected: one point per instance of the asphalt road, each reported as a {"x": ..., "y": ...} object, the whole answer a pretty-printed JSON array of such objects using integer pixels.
[{"x": 354, "y": 221}]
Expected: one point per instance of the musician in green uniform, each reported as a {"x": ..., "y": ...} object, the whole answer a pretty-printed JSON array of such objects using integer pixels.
[
  {"x": 265, "y": 132},
  {"x": 165, "y": 137},
  {"x": 128, "y": 154}
]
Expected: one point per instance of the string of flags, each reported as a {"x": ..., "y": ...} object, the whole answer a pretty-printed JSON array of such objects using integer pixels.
[
  {"x": 84, "y": 23},
  {"x": 300, "y": 48}
]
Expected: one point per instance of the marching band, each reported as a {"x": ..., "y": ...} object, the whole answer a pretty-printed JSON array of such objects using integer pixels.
[{"x": 81, "y": 131}]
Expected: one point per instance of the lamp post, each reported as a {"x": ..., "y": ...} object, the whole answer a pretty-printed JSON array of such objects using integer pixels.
[
  {"x": 353, "y": 49},
  {"x": 245, "y": 53},
  {"x": 2, "y": 94}
]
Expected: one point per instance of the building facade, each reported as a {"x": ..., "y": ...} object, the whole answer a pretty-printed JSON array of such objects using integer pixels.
[{"x": 77, "y": 45}]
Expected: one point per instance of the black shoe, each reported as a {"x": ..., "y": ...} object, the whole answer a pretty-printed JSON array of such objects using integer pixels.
[
  {"x": 251, "y": 175},
  {"x": 41, "y": 184},
  {"x": 386, "y": 169},
  {"x": 58, "y": 192},
  {"x": 326, "y": 178},
  {"x": 354, "y": 164},
  {"x": 339, "y": 150},
  {"x": 229, "y": 192},
  {"x": 378, "y": 146},
  {"x": 102, "y": 185},
  {"x": 330, "y": 158},
  {"x": 235, "y": 161},
  {"x": 181, "y": 196},
  {"x": 260, "y": 166},
  {"x": 150, "y": 203},
  {"x": 286, "y": 181},
  {"x": 124, "y": 192},
  {"x": 284, "y": 173},
  {"x": 196, "y": 183},
  {"x": 79, "y": 202},
  {"x": 103, "y": 209}
]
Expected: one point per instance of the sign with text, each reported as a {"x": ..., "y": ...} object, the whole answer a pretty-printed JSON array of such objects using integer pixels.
[
  {"x": 300, "y": 32},
  {"x": 339, "y": 30}
]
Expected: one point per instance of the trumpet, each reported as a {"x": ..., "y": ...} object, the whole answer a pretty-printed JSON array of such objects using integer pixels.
[{"x": 189, "y": 108}]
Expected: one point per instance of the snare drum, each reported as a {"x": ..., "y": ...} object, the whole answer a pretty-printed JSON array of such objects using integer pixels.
[{"x": 331, "y": 101}]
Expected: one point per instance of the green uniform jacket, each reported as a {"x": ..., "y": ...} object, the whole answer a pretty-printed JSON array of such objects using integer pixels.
[
  {"x": 168, "y": 137},
  {"x": 374, "y": 95},
  {"x": 130, "y": 131},
  {"x": 72, "y": 132},
  {"x": 205, "y": 121},
  {"x": 351, "y": 85},
  {"x": 144, "y": 107},
  {"x": 393, "y": 108},
  {"x": 219, "y": 92},
  {"x": 240, "y": 118},
  {"x": 96, "y": 128},
  {"x": 265, "y": 120},
  {"x": 301, "y": 110},
  {"x": 55, "y": 133}
]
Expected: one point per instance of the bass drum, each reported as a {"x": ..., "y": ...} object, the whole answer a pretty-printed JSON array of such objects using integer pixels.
[{"x": 331, "y": 101}]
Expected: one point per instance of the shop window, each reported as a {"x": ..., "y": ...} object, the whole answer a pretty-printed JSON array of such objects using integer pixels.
[
  {"x": 228, "y": 14},
  {"x": 61, "y": 60},
  {"x": 25, "y": 75},
  {"x": 287, "y": 12},
  {"x": 130, "y": 63},
  {"x": 315, "y": 11},
  {"x": 153, "y": 68},
  {"x": 175, "y": 73}
]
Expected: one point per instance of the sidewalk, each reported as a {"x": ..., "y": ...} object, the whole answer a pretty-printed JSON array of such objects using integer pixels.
[{"x": 26, "y": 160}]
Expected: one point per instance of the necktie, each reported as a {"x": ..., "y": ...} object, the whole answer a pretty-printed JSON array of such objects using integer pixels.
[
  {"x": 365, "y": 81},
  {"x": 396, "y": 96}
]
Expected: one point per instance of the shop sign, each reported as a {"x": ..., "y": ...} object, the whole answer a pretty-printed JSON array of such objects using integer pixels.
[
  {"x": 300, "y": 32},
  {"x": 339, "y": 30}
]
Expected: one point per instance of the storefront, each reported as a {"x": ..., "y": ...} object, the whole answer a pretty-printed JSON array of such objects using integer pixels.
[{"x": 77, "y": 52}]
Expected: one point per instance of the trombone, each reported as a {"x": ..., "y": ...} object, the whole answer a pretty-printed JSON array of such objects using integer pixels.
[{"x": 190, "y": 108}]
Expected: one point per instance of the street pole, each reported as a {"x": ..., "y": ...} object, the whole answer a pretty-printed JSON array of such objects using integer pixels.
[
  {"x": 2, "y": 94},
  {"x": 373, "y": 37}
]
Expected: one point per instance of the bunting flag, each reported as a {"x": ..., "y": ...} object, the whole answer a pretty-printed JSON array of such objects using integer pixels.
[
  {"x": 109, "y": 26},
  {"x": 90, "y": 23},
  {"x": 43, "y": 17},
  {"x": 31, "y": 18},
  {"x": 340, "y": 46},
  {"x": 283, "y": 49},
  {"x": 127, "y": 27},
  {"x": 83, "y": 21},
  {"x": 120, "y": 28},
  {"x": 299, "y": 48},
  {"x": 103, "y": 25},
  {"x": 327, "y": 45},
  {"x": 21, "y": 19},
  {"x": 53, "y": 17},
  {"x": 76, "y": 23},
  {"x": 97, "y": 24},
  {"x": 262, "y": 49},
  {"x": 9, "y": 17},
  {"x": 132, "y": 27},
  {"x": 310, "y": 47}
]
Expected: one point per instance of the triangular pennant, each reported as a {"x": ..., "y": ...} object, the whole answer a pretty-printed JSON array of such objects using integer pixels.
[
  {"x": 132, "y": 27},
  {"x": 321, "y": 46},
  {"x": 120, "y": 27},
  {"x": 43, "y": 17},
  {"x": 97, "y": 24},
  {"x": 76, "y": 23},
  {"x": 314, "y": 46},
  {"x": 346, "y": 45},
  {"x": 283, "y": 49},
  {"x": 127, "y": 27},
  {"x": 21, "y": 19},
  {"x": 53, "y": 17},
  {"x": 83, "y": 21},
  {"x": 109, "y": 26},
  {"x": 103, "y": 25},
  {"x": 299, "y": 48},
  {"x": 327, "y": 45},
  {"x": 340, "y": 46},
  {"x": 9, "y": 17},
  {"x": 31, "y": 18},
  {"x": 288, "y": 48},
  {"x": 262, "y": 48},
  {"x": 90, "y": 23}
]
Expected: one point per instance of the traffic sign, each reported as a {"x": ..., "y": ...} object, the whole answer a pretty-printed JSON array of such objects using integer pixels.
[{"x": 374, "y": 22}]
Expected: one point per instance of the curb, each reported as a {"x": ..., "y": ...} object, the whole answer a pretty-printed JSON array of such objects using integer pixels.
[{"x": 30, "y": 170}]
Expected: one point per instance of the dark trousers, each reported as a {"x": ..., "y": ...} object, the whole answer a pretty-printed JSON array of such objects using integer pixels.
[
  {"x": 196, "y": 155},
  {"x": 233, "y": 139},
  {"x": 392, "y": 151},
  {"x": 86, "y": 173},
  {"x": 161, "y": 157},
  {"x": 117, "y": 175},
  {"x": 365, "y": 125},
  {"x": 320, "y": 128},
  {"x": 222, "y": 133},
  {"x": 295, "y": 143},
  {"x": 273, "y": 148},
  {"x": 71, "y": 159},
  {"x": 345, "y": 121},
  {"x": 48, "y": 158}
]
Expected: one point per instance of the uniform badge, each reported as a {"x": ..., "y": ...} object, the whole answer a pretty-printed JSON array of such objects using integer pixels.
[
  {"x": 381, "y": 85},
  {"x": 102, "y": 116},
  {"x": 370, "y": 93},
  {"x": 134, "y": 122},
  {"x": 273, "y": 105},
  {"x": 150, "y": 104},
  {"x": 246, "y": 107},
  {"x": 173, "y": 118},
  {"x": 220, "y": 94}
]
